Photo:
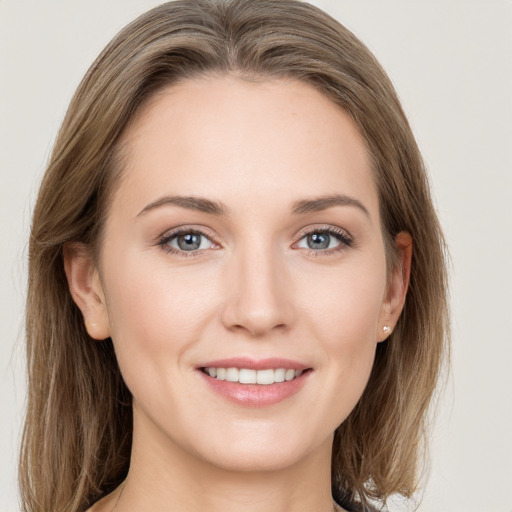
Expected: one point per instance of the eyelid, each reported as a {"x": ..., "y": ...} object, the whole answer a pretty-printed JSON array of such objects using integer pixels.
[
  {"x": 163, "y": 240},
  {"x": 188, "y": 228},
  {"x": 328, "y": 228},
  {"x": 342, "y": 235},
  {"x": 346, "y": 240}
]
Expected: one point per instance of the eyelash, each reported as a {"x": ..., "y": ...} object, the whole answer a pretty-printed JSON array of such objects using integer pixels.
[
  {"x": 167, "y": 237},
  {"x": 346, "y": 241}
]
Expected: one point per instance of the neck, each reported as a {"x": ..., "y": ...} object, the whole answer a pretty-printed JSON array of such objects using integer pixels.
[{"x": 165, "y": 477}]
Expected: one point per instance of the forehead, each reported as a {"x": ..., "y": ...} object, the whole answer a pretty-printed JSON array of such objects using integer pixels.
[{"x": 244, "y": 142}]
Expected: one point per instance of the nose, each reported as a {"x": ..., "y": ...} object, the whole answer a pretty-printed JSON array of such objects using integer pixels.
[{"x": 259, "y": 292}]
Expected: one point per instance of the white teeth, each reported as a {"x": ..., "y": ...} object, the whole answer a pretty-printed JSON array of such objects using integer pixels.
[
  {"x": 289, "y": 375},
  {"x": 279, "y": 375},
  {"x": 232, "y": 374},
  {"x": 265, "y": 377},
  {"x": 247, "y": 376}
]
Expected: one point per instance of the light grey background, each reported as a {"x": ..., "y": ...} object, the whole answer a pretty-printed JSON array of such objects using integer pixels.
[{"x": 451, "y": 61}]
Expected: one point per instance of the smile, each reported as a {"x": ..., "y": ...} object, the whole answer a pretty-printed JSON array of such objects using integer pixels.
[{"x": 250, "y": 376}]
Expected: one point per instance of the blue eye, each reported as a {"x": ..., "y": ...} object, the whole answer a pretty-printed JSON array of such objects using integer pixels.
[
  {"x": 185, "y": 241},
  {"x": 192, "y": 242},
  {"x": 325, "y": 240}
]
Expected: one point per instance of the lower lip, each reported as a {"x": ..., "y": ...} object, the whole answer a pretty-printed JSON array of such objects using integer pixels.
[{"x": 256, "y": 395}]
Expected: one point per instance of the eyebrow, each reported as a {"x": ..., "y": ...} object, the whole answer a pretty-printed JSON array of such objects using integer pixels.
[
  {"x": 323, "y": 203},
  {"x": 301, "y": 207},
  {"x": 200, "y": 204}
]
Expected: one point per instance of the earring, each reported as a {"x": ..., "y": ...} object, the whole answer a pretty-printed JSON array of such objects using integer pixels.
[{"x": 386, "y": 329}]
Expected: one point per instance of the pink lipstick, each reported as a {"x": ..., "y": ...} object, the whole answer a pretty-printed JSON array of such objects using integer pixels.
[{"x": 254, "y": 383}]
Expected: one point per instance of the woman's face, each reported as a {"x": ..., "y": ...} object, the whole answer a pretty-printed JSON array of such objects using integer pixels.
[{"x": 244, "y": 233}]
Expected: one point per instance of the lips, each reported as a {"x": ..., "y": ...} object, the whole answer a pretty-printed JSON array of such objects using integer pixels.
[
  {"x": 261, "y": 364},
  {"x": 255, "y": 383}
]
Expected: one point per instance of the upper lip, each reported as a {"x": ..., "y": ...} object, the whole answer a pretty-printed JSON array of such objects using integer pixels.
[{"x": 255, "y": 364}]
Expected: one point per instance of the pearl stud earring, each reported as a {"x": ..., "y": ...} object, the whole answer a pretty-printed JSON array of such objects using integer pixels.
[{"x": 386, "y": 329}]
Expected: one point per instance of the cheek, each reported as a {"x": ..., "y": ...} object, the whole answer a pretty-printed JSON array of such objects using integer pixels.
[
  {"x": 343, "y": 312},
  {"x": 349, "y": 343},
  {"x": 155, "y": 312},
  {"x": 345, "y": 304}
]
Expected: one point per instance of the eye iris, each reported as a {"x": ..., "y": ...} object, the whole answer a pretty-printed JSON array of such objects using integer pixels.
[
  {"x": 318, "y": 240},
  {"x": 189, "y": 242}
]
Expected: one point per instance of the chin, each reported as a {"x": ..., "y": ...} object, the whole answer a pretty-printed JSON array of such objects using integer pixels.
[
  {"x": 255, "y": 460},
  {"x": 261, "y": 453}
]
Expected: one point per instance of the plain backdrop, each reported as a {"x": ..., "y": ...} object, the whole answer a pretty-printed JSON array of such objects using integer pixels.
[{"x": 451, "y": 62}]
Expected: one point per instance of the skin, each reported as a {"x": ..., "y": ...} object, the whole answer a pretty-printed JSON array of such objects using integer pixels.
[{"x": 254, "y": 288}]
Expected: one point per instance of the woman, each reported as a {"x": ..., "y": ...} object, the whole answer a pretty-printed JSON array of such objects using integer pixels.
[{"x": 237, "y": 290}]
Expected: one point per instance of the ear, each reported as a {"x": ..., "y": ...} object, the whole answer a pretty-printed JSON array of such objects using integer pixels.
[
  {"x": 398, "y": 284},
  {"x": 86, "y": 289}
]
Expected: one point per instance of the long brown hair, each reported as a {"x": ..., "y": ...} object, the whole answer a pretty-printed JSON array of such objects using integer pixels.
[{"x": 77, "y": 436}]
